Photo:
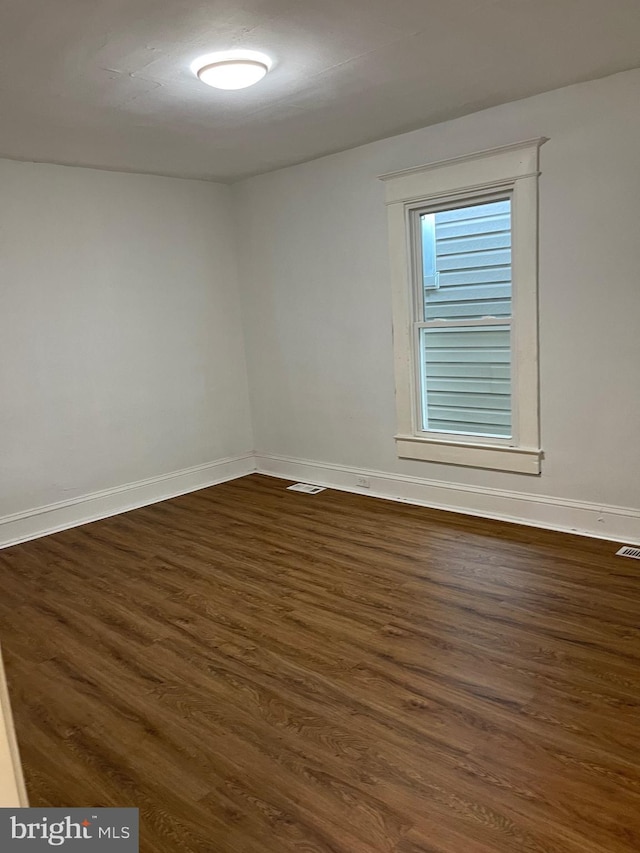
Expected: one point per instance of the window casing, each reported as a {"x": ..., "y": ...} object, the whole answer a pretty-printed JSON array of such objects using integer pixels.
[{"x": 465, "y": 325}]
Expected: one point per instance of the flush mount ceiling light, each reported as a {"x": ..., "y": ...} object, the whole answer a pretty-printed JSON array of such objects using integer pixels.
[{"x": 231, "y": 69}]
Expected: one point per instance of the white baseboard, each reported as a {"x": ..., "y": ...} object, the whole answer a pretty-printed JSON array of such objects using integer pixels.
[
  {"x": 44, "y": 520},
  {"x": 619, "y": 524},
  {"x": 602, "y": 521}
]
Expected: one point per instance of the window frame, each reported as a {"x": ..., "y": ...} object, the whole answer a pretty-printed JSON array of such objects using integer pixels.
[{"x": 509, "y": 171}]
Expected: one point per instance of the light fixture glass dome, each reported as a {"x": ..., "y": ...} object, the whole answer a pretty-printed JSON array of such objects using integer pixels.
[{"x": 232, "y": 69}]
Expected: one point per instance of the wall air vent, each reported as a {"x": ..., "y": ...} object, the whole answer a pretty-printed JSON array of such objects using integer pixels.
[
  {"x": 628, "y": 551},
  {"x": 306, "y": 488}
]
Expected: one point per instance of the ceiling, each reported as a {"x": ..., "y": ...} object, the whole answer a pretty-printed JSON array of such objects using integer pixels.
[{"x": 107, "y": 83}]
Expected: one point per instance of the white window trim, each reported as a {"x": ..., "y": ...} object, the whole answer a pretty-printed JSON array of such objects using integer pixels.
[{"x": 511, "y": 169}]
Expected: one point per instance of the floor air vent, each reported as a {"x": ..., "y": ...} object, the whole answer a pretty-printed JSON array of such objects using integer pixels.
[
  {"x": 627, "y": 551},
  {"x": 307, "y": 489}
]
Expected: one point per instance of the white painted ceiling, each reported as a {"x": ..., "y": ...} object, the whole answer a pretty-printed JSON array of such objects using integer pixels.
[{"x": 107, "y": 82}]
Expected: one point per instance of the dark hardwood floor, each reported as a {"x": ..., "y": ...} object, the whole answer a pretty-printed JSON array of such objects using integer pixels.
[{"x": 262, "y": 671}]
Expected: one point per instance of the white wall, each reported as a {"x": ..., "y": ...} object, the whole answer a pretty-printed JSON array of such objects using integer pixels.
[
  {"x": 121, "y": 334},
  {"x": 121, "y": 354},
  {"x": 317, "y": 307}
]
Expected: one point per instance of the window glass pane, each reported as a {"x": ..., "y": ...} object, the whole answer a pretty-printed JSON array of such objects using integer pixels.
[
  {"x": 466, "y": 256},
  {"x": 466, "y": 380}
]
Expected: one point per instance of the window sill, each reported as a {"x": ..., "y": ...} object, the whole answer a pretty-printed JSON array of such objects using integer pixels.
[{"x": 493, "y": 457}]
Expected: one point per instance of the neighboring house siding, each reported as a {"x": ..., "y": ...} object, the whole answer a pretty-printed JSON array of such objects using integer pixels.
[{"x": 467, "y": 370}]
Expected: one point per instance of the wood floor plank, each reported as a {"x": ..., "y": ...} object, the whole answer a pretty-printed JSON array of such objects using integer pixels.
[{"x": 262, "y": 671}]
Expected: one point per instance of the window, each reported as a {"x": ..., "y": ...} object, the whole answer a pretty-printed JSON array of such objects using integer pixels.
[
  {"x": 464, "y": 318},
  {"x": 463, "y": 242}
]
